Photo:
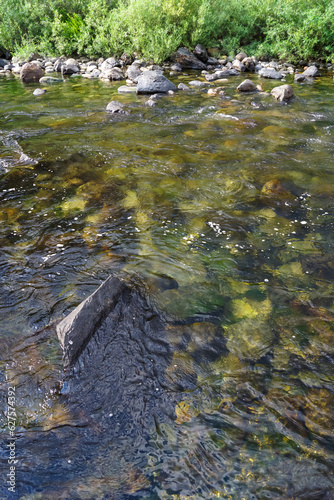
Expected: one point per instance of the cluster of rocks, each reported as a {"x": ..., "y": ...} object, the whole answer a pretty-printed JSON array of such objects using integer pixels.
[
  {"x": 130, "y": 69},
  {"x": 149, "y": 79}
]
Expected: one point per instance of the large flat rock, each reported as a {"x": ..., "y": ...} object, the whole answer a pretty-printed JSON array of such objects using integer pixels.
[{"x": 152, "y": 82}]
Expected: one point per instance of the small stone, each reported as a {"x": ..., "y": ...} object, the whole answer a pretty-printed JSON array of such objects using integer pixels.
[
  {"x": 182, "y": 86},
  {"x": 151, "y": 103},
  {"x": 197, "y": 83},
  {"x": 126, "y": 89},
  {"x": 211, "y": 78},
  {"x": 176, "y": 67},
  {"x": 116, "y": 107},
  {"x": 49, "y": 79},
  {"x": 39, "y": 91}
]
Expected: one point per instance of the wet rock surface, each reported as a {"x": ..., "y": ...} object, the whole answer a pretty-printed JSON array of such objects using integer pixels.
[
  {"x": 282, "y": 93},
  {"x": 270, "y": 73},
  {"x": 31, "y": 73},
  {"x": 151, "y": 82},
  {"x": 247, "y": 86}
]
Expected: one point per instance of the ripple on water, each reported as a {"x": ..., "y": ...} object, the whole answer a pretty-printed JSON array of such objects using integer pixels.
[{"x": 224, "y": 212}]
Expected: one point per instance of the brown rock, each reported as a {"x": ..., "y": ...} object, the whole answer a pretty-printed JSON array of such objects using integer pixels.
[
  {"x": 30, "y": 73},
  {"x": 249, "y": 64}
]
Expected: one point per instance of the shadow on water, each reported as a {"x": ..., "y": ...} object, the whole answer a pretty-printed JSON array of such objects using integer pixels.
[{"x": 212, "y": 375}]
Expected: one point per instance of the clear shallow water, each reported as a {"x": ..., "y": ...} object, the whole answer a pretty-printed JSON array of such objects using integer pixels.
[{"x": 224, "y": 209}]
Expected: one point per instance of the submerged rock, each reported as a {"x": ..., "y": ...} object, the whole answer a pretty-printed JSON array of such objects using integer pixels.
[
  {"x": 50, "y": 79},
  {"x": 283, "y": 92},
  {"x": 39, "y": 91},
  {"x": 127, "y": 89},
  {"x": 182, "y": 86},
  {"x": 197, "y": 83},
  {"x": 116, "y": 107},
  {"x": 151, "y": 82}
]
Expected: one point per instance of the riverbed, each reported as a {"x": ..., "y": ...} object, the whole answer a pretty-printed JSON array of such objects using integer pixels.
[{"x": 222, "y": 208}]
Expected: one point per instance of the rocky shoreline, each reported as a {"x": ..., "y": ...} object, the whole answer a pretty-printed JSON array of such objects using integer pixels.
[{"x": 143, "y": 78}]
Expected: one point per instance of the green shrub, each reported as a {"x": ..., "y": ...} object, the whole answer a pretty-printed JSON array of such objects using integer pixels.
[{"x": 156, "y": 28}]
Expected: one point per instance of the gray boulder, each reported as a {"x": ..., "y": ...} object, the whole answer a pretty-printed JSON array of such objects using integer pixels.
[
  {"x": 270, "y": 73},
  {"x": 133, "y": 73},
  {"x": 311, "y": 72},
  {"x": 247, "y": 86},
  {"x": 282, "y": 93},
  {"x": 110, "y": 63},
  {"x": 201, "y": 53},
  {"x": 223, "y": 73},
  {"x": 69, "y": 67},
  {"x": 116, "y": 107},
  {"x": 188, "y": 60},
  {"x": 31, "y": 73},
  {"x": 112, "y": 74},
  {"x": 75, "y": 331},
  {"x": 151, "y": 82}
]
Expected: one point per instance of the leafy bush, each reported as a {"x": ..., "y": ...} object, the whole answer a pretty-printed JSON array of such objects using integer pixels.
[{"x": 156, "y": 28}]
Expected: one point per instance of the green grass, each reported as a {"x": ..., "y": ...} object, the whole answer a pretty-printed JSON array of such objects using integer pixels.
[{"x": 155, "y": 28}]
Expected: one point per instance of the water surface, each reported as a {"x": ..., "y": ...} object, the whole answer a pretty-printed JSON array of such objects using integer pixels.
[{"x": 223, "y": 209}]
